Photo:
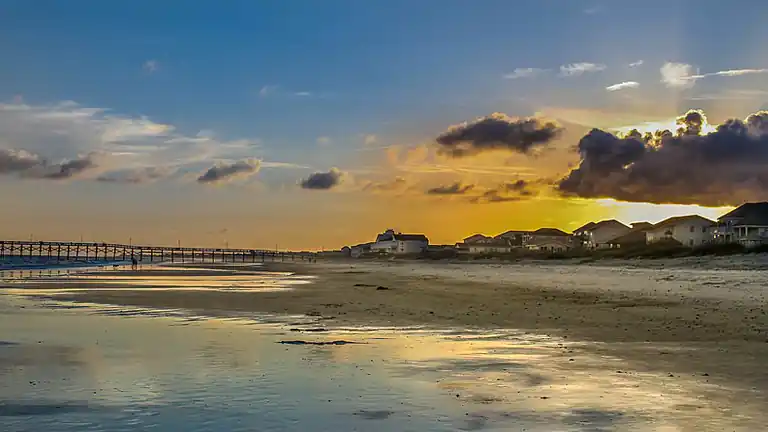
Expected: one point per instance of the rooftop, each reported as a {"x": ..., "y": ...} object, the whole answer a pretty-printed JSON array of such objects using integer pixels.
[
  {"x": 584, "y": 227},
  {"x": 411, "y": 237},
  {"x": 550, "y": 232},
  {"x": 749, "y": 214},
  {"x": 512, "y": 233},
  {"x": 681, "y": 219}
]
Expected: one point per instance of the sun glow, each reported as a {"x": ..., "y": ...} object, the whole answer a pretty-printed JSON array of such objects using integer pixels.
[
  {"x": 670, "y": 125},
  {"x": 645, "y": 212}
]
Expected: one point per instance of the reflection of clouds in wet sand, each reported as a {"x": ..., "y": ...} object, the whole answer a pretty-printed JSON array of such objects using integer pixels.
[{"x": 554, "y": 382}]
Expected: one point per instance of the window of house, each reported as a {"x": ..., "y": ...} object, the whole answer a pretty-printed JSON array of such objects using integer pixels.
[
  {"x": 692, "y": 228},
  {"x": 704, "y": 229},
  {"x": 690, "y": 242}
]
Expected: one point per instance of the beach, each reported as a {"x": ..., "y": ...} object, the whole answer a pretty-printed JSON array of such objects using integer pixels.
[{"x": 677, "y": 324}]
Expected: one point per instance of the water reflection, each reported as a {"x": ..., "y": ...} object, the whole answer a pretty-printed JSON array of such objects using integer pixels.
[{"x": 91, "y": 369}]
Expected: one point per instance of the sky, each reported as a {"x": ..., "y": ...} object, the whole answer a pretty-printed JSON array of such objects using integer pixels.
[{"x": 315, "y": 124}]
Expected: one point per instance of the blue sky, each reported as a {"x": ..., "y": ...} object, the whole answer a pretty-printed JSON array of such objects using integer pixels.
[{"x": 305, "y": 82}]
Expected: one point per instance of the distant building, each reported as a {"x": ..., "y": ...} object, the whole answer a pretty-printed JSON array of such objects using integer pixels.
[
  {"x": 542, "y": 234},
  {"x": 549, "y": 244},
  {"x": 357, "y": 251},
  {"x": 477, "y": 238},
  {"x": 515, "y": 238},
  {"x": 634, "y": 238},
  {"x": 596, "y": 235},
  {"x": 693, "y": 230},
  {"x": 747, "y": 225},
  {"x": 489, "y": 247},
  {"x": 391, "y": 242}
]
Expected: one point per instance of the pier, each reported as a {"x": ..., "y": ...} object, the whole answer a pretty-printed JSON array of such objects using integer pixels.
[{"x": 84, "y": 251}]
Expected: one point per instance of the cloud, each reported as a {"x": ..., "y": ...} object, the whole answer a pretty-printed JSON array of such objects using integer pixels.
[
  {"x": 506, "y": 192},
  {"x": 724, "y": 167},
  {"x": 737, "y": 72},
  {"x": 268, "y": 90},
  {"x": 323, "y": 180},
  {"x": 622, "y": 86},
  {"x": 453, "y": 189},
  {"x": 677, "y": 75},
  {"x": 274, "y": 90},
  {"x": 525, "y": 73},
  {"x": 636, "y": 64},
  {"x": 323, "y": 140},
  {"x": 497, "y": 131},
  {"x": 15, "y": 161},
  {"x": 370, "y": 139},
  {"x": 29, "y": 165},
  {"x": 680, "y": 75},
  {"x": 66, "y": 131},
  {"x": 70, "y": 168},
  {"x": 135, "y": 176},
  {"x": 151, "y": 66},
  {"x": 223, "y": 172},
  {"x": 398, "y": 184},
  {"x": 576, "y": 69}
]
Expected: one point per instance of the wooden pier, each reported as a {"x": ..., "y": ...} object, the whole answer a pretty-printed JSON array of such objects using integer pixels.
[{"x": 81, "y": 251}]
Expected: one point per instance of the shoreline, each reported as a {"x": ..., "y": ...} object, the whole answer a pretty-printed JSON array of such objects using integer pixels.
[{"x": 657, "y": 324}]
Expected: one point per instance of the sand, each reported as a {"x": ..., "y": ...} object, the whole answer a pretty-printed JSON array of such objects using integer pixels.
[{"x": 670, "y": 316}]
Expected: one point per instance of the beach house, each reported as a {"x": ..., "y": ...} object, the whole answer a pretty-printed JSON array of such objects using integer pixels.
[
  {"x": 482, "y": 244},
  {"x": 395, "y": 243},
  {"x": 597, "y": 235},
  {"x": 548, "y": 239},
  {"x": 548, "y": 245},
  {"x": 359, "y": 250},
  {"x": 747, "y": 225},
  {"x": 548, "y": 234},
  {"x": 515, "y": 238},
  {"x": 692, "y": 230},
  {"x": 636, "y": 237},
  {"x": 477, "y": 238},
  {"x": 489, "y": 247}
]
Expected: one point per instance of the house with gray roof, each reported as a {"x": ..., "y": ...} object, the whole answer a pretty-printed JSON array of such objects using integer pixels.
[{"x": 746, "y": 224}]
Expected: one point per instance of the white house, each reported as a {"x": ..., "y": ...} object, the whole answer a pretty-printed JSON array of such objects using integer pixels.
[
  {"x": 598, "y": 235},
  {"x": 393, "y": 243},
  {"x": 692, "y": 230},
  {"x": 747, "y": 224}
]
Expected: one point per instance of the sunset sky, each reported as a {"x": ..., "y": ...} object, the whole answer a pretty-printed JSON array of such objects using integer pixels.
[{"x": 315, "y": 124}]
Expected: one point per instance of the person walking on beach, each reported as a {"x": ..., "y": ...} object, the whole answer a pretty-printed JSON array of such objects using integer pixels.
[{"x": 134, "y": 263}]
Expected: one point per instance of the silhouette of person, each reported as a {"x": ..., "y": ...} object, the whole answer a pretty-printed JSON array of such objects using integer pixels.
[{"x": 134, "y": 263}]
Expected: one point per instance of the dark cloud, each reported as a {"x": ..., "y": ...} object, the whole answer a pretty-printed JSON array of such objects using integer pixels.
[
  {"x": 454, "y": 189},
  {"x": 395, "y": 185},
  {"x": 30, "y": 165},
  {"x": 322, "y": 180},
  {"x": 14, "y": 161},
  {"x": 69, "y": 168},
  {"x": 514, "y": 191},
  {"x": 137, "y": 176},
  {"x": 222, "y": 172},
  {"x": 497, "y": 131},
  {"x": 725, "y": 167}
]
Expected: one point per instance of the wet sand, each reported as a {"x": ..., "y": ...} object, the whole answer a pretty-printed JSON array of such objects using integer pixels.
[{"x": 679, "y": 320}]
